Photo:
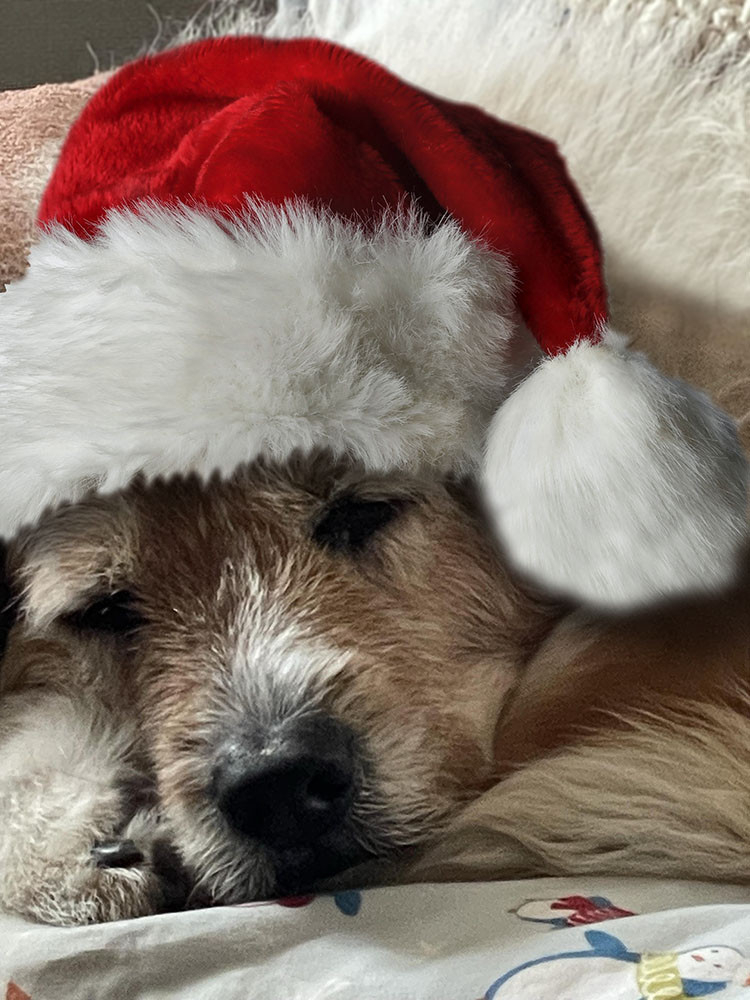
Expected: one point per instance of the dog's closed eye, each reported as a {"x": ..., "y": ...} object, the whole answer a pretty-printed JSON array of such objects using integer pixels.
[
  {"x": 111, "y": 614},
  {"x": 351, "y": 522}
]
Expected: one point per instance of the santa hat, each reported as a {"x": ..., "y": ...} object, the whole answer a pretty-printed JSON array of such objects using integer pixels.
[{"x": 251, "y": 247}]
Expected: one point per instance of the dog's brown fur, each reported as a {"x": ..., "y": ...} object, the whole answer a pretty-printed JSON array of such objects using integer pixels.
[{"x": 593, "y": 674}]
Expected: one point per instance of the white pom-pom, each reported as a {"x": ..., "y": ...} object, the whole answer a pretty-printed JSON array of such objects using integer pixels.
[{"x": 614, "y": 484}]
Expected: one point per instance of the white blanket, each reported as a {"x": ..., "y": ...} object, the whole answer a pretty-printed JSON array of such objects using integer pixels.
[{"x": 545, "y": 939}]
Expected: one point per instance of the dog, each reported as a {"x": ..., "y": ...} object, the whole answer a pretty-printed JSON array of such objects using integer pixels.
[
  {"x": 215, "y": 693},
  {"x": 222, "y": 692}
]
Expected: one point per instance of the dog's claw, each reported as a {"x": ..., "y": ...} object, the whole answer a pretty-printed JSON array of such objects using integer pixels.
[{"x": 116, "y": 854}]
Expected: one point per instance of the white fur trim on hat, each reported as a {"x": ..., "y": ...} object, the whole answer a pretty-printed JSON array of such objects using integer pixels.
[
  {"x": 615, "y": 484},
  {"x": 175, "y": 341}
]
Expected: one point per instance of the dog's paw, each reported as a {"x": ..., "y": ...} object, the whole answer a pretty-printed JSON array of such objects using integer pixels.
[
  {"x": 144, "y": 848},
  {"x": 80, "y": 836},
  {"x": 116, "y": 854},
  {"x": 79, "y": 874},
  {"x": 91, "y": 892},
  {"x": 134, "y": 875}
]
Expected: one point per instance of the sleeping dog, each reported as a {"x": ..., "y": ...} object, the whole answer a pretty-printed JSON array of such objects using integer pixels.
[
  {"x": 270, "y": 678},
  {"x": 218, "y": 693}
]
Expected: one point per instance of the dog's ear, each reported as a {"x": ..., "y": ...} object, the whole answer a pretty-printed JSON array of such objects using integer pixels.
[{"x": 7, "y": 599}]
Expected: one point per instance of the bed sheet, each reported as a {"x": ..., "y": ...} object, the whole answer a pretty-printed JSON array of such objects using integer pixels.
[{"x": 543, "y": 939}]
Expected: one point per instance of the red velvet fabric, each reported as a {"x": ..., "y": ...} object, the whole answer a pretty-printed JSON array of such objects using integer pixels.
[{"x": 219, "y": 119}]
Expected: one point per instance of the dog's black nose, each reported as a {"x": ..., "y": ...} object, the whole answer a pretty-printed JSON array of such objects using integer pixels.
[{"x": 292, "y": 787}]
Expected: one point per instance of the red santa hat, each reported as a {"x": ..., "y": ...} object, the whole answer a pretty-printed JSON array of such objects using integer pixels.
[{"x": 251, "y": 247}]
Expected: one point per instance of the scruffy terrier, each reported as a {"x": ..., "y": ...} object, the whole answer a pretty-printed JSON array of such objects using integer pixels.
[
  {"x": 215, "y": 693},
  {"x": 228, "y": 691}
]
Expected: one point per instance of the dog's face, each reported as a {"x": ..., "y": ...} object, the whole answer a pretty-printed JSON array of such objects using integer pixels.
[{"x": 316, "y": 659}]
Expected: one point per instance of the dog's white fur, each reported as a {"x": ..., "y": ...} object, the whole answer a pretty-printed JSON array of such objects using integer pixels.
[{"x": 63, "y": 765}]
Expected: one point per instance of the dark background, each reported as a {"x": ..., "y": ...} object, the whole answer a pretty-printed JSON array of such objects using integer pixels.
[{"x": 45, "y": 41}]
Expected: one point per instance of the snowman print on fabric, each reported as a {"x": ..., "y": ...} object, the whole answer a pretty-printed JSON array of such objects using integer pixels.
[
  {"x": 607, "y": 969},
  {"x": 570, "y": 911}
]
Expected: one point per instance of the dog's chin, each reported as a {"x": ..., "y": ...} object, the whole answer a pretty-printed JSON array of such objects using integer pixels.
[
  {"x": 305, "y": 869},
  {"x": 247, "y": 872}
]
